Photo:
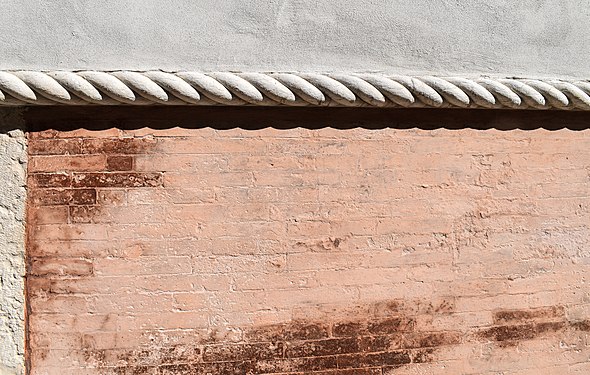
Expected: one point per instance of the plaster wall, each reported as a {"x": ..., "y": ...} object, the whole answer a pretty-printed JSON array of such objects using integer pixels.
[
  {"x": 12, "y": 264},
  {"x": 497, "y": 37}
]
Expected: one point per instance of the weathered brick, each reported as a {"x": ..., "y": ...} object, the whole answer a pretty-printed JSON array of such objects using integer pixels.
[
  {"x": 50, "y": 180},
  {"x": 238, "y": 352},
  {"x": 60, "y": 267},
  {"x": 112, "y": 146},
  {"x": 55, "y": 147},
  {"x": 307, "y": 251},
  {"x": 60, "y": 197},
  {"x": 322, "y": 347},
  {"x": 116, "y": 180},
  {"x": 119, "y": 163},
  {"x": 67, "y": 163}
]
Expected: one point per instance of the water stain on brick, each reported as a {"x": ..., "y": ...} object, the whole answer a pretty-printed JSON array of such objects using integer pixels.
[
  {"x": 50, "y": 180},
  {"x": 53, "y": 147},
  {"x": 117, "y": 145},
  {"x": 509, "y": 316},
  {"x": 513, "y": 326},
  {"x": 119, "y": 163},
  {"x": 63, "y": 197},
  {"x": 79, "y": 146},
  {"x": 83, "y": 214},
  {"x": 298, "y": 330},
  {"x": 60, "y": 267},
  {"x": 583, "y": 325},
  {"x": 117, "y": 179},
  {"x": 368, "y": 345},
  {"x": 431, "y": 339},
  {"x": 362, "y": 344}
]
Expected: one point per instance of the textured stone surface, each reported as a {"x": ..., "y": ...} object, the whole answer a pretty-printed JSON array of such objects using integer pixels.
[
  {"x": 529, "y": 37},
  {"x": 350, "y": 251},
  {"x": 12, "y": 260}
]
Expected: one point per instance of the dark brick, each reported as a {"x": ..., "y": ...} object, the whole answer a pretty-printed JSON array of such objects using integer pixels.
[
  {"x": 360, "y": 360},
  {"x": 119, "y": 163},
  {"x": 128, "y": 179},
  {"x": 368, "y": 344},
  {"x": 180, "y": 354},
  {"x": 389, "y": 326},
  {"x": 395, "y": 358},
  {"x": 305, "y": 331},
  {"x": 583, "y": 325},
  {"x": 322, "y": 347},
  {"x": 526, "y": 316},
  {"x": 288, "y": 332},
  {"x": 431, "y": 339},
  {"x": 374, "y": 327},
  {"x": 509, "y": 332},
  {"x": 49, "y": 180},
  {"x": 237, "y": 352},
  {"x": 226, "y": 368},
  {"x": 305, "y": 365},
  {"x": 134, "y": 370},
  {"x": 392, "y": 358},
  {"x": 547, "y": 327},
  {"x": 57, "y": 197},
  {"x": 55, "y": 147},
  {"x": 349, "y": 328},
  {"x": 116, "y": 145},
  {"x": 181, "y": 369},
  {"x": 422, "y": 355},
  {"x": 351, "y": 371}
]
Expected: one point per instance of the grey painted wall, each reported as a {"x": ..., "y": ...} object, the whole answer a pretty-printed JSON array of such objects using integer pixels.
[
  {"x": 12, "y": 264},
  {"x": 496, "y": 37}
]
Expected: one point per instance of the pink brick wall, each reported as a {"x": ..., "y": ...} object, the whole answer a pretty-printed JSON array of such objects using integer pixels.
[{"x": 357, "y": 252}]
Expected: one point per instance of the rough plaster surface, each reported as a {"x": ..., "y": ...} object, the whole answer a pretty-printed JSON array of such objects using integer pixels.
[
  {"x": 529, "y": 37},
  {"x": 12, "y": 265}
]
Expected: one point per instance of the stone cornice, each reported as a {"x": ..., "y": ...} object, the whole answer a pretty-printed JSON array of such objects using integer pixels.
[{"x": 23, "y": 88}]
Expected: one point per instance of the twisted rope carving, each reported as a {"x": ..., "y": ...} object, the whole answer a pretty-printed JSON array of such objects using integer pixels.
[{"x": 21, "y": 88}]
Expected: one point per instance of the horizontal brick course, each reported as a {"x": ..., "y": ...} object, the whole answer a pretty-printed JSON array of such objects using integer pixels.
[{"x": 308, "y": 251}]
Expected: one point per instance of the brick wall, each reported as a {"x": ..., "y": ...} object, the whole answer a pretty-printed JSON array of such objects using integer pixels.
[{"x": 308, "y": 251}]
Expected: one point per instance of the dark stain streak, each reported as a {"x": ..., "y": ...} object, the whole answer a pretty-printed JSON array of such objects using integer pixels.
[
  {"x": 513, "y": 326},
  {"x": 366, "y": 344},
  {"x": 507, "y": 316},
  {"x": 583, "y": 325},
  {"x": 362, "y": 344}
]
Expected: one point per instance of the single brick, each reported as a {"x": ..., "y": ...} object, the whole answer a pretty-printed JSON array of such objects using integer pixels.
[
  {"x": 117, "y": 180},
  {"x": 49, "y": 180},
  {"x": 58, "y": 197},
  {"x": 119, "y": 163},
  {"x": 60, "y": 267},
  {"x": 112, "y": 146}
]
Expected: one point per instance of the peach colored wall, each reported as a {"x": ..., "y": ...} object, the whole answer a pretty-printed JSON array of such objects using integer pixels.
[{"x": 351, "y": 251}]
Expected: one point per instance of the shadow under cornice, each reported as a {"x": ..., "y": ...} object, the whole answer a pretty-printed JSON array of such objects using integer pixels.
[{"x": 163, "y": 117}]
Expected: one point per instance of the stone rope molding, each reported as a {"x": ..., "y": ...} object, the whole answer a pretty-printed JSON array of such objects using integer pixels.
[{"x": 23, "y": 88}]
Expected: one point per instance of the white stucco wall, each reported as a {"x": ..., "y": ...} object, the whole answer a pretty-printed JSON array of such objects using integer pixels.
[
  {"x": 496, "y": 37},
  {"x": 12, "y": 264}
]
